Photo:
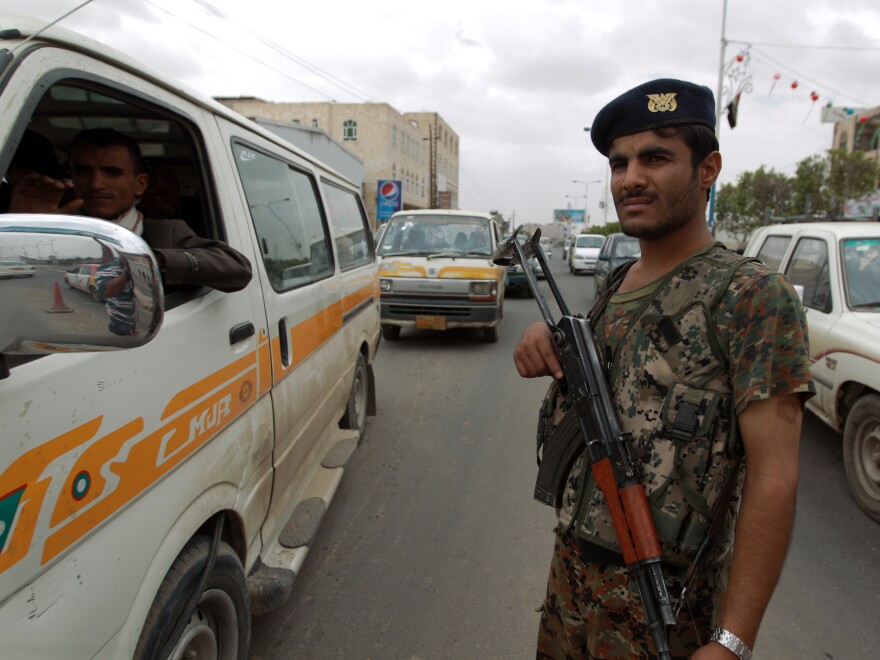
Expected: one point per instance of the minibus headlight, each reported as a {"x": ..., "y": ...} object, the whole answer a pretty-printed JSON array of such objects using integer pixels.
[
  {"x": 384, "y": 285},
  {"x": 484, "y": 289}
]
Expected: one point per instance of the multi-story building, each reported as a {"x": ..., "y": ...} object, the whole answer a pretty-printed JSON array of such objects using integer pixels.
[
  {"x": 419, "y": 149},
  {"x": 856, "y": 130}
]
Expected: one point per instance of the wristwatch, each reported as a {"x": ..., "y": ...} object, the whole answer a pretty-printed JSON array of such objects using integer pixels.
[{"x": 732, "y": 643}]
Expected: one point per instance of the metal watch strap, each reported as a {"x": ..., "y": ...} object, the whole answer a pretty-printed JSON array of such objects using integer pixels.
[{"x": 732, "y": 643}]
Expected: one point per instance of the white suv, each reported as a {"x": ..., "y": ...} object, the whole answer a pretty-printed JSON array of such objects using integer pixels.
[{"x": 838, "y": 266}]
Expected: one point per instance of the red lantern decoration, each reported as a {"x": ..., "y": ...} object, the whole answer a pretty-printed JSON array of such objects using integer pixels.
[
  {"x": 794, "y": 84},
  {"x": 814, "y": 96},
  {"x": 739, "y": 58},
  {"x": 863, "y": 119},
  {"x": 777, "y": 76}
]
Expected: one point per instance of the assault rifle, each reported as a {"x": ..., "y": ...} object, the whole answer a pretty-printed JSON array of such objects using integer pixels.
[{"x": 608, "y": 449}]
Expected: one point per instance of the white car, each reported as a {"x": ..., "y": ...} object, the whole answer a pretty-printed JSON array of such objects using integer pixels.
[
  {"x": 585, "y": 253},
  {"x": 838, "y": 266},
  {"x": 15, "y": 269}
]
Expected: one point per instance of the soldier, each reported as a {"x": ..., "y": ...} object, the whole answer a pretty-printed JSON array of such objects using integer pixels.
[{"x": 708, "y": 364}]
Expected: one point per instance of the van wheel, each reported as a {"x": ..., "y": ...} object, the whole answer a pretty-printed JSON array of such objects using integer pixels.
[
  {"x": 355, "y": 416},
  {"x": 390, "y": 332},
  {"x": 861, "y": 453},
  {"x": 492, "y": 334},
  {"x": 220, "y": 627}
]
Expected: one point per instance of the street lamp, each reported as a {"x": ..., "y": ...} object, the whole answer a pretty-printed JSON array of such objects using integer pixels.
[{"x": 586, "y": 193}]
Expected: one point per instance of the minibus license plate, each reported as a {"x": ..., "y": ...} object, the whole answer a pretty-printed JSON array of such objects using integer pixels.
[{"x": 431, "y": 322}]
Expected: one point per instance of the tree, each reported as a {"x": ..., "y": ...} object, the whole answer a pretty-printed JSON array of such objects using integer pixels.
[
  {"x": 811, "y": 195},
  {"x": 851, "y": 175},
  {"x": 739, "y": 207}
]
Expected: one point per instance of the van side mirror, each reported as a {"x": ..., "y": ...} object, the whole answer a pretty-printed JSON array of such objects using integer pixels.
[
  {"x": 604, "y": 256},
  {"x": 91, "y": 286}
]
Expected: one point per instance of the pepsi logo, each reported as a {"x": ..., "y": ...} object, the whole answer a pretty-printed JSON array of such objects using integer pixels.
[{"x": 389, "y": 191}]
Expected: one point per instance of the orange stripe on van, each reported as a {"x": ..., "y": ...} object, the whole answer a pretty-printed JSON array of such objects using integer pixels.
[
  {"x": 265, "y": 363},
  {"x": 85, "y": 483},
  {"x": 156, "y": 455},
  {"x": 467, "y": 273},
  {"x": 25, "y": 473},
  {"x": 354, "y": 299},
  {"x": 197, "y": 390},
  {"x": 305, "y": 338}
]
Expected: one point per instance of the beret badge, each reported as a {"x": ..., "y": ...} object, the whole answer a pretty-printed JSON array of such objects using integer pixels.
[{"x": 662, "y": 102}]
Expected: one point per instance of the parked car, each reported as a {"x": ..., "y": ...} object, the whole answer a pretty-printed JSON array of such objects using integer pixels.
[
  {"x": 83, "y": 278},
  {"x": 836, "y": 266},
  {"x": 616, "y": 250},
  {"x": 11, "y": 268},
  {"x": 436, "y": 273},
  {"x": 584, "y": 252}
]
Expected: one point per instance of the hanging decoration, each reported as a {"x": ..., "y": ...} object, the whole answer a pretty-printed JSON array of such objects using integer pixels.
[
  {"x": 813, "y": 97},
  {"x": 794, "y": 84},
  {"x": 776, "y": 77},
  {"x": 737, "y": 80}
]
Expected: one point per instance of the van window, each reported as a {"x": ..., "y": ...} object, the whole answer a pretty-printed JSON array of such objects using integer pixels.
[
  {"x": 350, "y": 228},
  {"x": 809, "y": 268},
  {"x": 287, "y": 217},
  {"x": 170, "y": 143},
  {"x": 773, "y": 250}
]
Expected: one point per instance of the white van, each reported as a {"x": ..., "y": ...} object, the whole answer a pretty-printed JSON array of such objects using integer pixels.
[{"x": 159, "y": 488}]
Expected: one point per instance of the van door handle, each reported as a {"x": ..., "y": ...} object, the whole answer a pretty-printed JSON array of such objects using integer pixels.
[{"x": 241, "y": 331}]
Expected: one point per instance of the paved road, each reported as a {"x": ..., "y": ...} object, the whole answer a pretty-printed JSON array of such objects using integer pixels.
[{"x": 434, "y": 547}]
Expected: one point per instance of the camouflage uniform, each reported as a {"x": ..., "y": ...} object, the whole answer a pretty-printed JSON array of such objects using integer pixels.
[{"x": 686, "y": 354}]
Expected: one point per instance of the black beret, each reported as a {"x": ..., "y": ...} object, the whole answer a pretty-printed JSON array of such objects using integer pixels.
[{"x": 655, "y": 104}]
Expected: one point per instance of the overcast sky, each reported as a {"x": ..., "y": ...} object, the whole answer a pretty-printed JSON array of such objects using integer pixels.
[{"x": 518, "y": 81}]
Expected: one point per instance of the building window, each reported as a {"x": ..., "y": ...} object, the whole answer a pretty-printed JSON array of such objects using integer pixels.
[
  {"x": 394, "y": 136},
  {"x": 349, "y": 129},
  {"x": 314, "y": 123}
]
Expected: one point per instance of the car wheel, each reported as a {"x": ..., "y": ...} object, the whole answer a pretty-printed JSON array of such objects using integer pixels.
[
  {"x": 355, "y": 416},
  {"x": 492, "y": 334},
  {"x": 390, "y": 332},
  {"x": 861, "y": 453},
  {"x": 220, "y": 626}
]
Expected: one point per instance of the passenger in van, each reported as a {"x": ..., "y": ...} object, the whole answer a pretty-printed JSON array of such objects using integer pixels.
[{"x": 109, "y": 177}]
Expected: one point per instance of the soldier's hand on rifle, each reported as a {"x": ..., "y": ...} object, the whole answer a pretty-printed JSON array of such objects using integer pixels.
[{"x": 535, "y": 355}]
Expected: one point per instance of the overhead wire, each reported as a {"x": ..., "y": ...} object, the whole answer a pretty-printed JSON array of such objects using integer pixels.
[
  {"x": 316, "y": 70},
  {"x": 800, "y": 76},
  {"x": 238, "y": 50}
]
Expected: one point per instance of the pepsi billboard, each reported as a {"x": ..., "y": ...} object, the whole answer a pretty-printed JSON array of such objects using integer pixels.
[{"x": 389, "y": 199}]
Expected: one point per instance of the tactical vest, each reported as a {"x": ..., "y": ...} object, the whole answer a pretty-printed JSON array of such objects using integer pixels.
[{"x": 672, "y": 393}]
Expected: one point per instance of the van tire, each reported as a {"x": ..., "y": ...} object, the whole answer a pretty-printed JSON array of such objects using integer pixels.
[
  {"x": 390, "y": 332},
  {"x": 221, "y": 625},
  {"x": 493, "y": 333},
  {"x": 355, "y": 416},
  {"x": 861, "y": 442}
]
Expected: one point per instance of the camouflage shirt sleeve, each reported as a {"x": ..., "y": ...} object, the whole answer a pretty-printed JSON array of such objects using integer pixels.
[{"x": 767, "y": 338}]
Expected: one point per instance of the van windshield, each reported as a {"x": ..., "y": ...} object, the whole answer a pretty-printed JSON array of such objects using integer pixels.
[
  {"x": 428, "y": 235},
  {"x": 590, "y": 241}
]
